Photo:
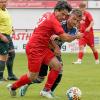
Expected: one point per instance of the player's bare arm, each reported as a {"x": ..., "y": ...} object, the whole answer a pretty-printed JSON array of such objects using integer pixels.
[
  {"x": 70, "y": 38},
  {"x": 90, "y": 26},
  {"x": 55, "y": 46}
]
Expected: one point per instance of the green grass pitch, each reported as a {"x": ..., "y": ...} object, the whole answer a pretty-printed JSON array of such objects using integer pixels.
[{"x": 85, "y": 76}]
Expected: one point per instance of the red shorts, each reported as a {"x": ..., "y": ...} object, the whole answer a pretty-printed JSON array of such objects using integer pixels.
[
  {"x": 87, "y": 40},
  {"x": 35, "y": 60}
]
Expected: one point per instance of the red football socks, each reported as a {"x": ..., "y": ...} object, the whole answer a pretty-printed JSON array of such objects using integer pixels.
[
  {"x": 96, "y": 55},
  {"x": 52, "y": 76},
  {"x": 80, "y": 55},
  {"x": 22, "y": 81}
]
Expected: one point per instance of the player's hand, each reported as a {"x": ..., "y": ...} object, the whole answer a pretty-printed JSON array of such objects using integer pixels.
[
  {"x": 4, "y": 38},
  {"x": 79, "y": 35},
  {"x": 53, "y": 37}
]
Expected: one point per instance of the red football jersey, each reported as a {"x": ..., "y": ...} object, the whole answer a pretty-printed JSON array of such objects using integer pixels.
[
  {"x": 47, "y": 26},
  {"x": 86, "y": 19}
]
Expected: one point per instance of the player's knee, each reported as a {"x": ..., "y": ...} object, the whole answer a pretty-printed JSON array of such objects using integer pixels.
[
  {"x": 55, "y": 64},
  {"x": 81, "y": 48},
  {"x": 32, "y": 76},
  {"x": 58, "y": 67}
]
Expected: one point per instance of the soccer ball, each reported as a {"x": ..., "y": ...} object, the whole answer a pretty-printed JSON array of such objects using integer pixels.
[{"x": 74, "y": 93}]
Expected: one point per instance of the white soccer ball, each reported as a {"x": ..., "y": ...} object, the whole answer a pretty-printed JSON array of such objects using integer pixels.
[{"x": 74, "y": 93}]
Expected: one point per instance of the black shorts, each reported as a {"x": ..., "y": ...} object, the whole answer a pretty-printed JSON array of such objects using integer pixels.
[{"x": 5, "y": 47}]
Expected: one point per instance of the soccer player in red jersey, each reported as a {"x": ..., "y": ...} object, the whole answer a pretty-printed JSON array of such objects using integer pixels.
[
  {"x": 86, "y": 27},
  {"x": 69, "y": 27},
  {"x": 39, "y": 53}
]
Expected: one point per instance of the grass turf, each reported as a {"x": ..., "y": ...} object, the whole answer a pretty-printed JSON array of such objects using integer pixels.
[{"x": 85, "y": 76}]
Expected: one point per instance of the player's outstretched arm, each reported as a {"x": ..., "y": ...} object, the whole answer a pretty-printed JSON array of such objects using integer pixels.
[{"x": 70, "y": 38}]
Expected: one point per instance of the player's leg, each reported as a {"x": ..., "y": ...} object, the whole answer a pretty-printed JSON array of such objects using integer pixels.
[
  {"x": 10, "y": 60},
  {"x": 96, "y": 56},
  {"x": 42, "y": 74},
  {"x": 40, "y": 78},
  {"x": 9, "y": 64},
  {"x": 53, "y": 74},
  {"x": 95, "y": 52},
  {"x": 2, "y": 67},
  {"x": 57, "y": 81},
  {"x": 82, "y": 44},
  {"x": 3, "y": 57},
  {"x": 33, "y": 67}
]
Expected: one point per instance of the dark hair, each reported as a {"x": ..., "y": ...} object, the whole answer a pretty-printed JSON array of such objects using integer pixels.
[
  {"x": 63, "y": 5},
  {"x": 77, "y": 12}
]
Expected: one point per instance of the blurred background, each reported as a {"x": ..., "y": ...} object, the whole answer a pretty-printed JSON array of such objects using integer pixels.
[{"x": 25, "y": 14}]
